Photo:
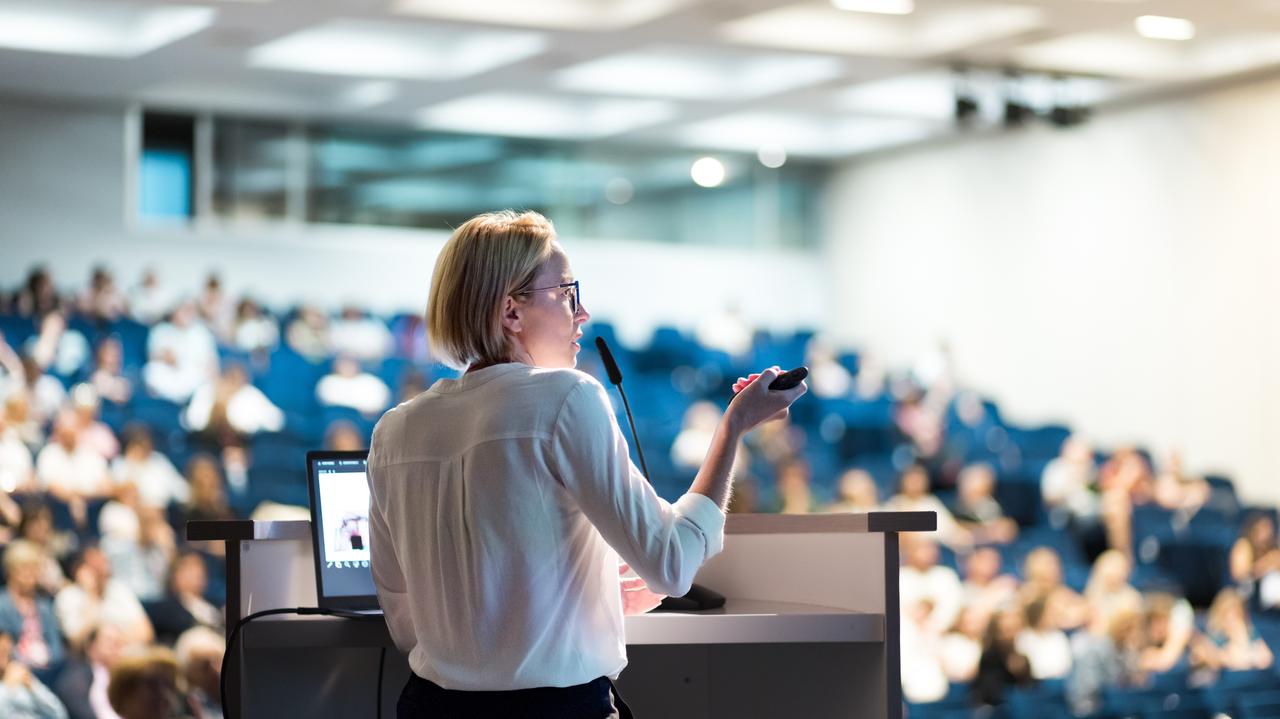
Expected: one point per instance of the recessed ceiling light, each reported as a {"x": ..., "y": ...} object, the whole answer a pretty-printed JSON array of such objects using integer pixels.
[
  {"x": 707, "y": 172},
  {"x": 884, "y": 7},
  {"x": 1160, "y": 27},
  {"x": 772, "y": 156},
  {"x": 105, "y": 28},
  {"x": 370, "y": 93},
  {"x": 395, "y": 49}
]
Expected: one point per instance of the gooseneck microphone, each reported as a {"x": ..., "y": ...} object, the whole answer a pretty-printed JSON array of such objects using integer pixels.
[
  {"x": 698, "y": 598},
  {"x": 615, "y": 377}
]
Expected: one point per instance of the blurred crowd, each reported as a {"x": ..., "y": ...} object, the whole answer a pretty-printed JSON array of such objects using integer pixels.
[{"x": 1058, "y": 572}]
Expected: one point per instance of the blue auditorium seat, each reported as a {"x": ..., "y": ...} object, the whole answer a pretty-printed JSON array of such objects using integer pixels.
[
  {"x": 133, "y": 341},
  {"x": 290, "y": 380},
  {"x": 17, "y": 330}
]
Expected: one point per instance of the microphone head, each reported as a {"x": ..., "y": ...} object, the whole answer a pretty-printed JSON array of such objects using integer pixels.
[{"x": 610, "y": 366}]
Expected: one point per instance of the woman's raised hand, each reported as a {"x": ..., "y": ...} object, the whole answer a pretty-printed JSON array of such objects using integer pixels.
[{"x": 755, "y": 403}]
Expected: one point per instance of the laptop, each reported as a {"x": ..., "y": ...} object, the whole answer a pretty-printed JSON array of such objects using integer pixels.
[{"x": 339, "y": 499}]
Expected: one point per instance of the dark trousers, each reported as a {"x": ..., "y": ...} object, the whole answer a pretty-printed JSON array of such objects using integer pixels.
[{"x": 423, "y": 699}]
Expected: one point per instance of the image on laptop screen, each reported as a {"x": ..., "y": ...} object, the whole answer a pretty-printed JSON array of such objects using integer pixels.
[{"x": 340, "y": 495}]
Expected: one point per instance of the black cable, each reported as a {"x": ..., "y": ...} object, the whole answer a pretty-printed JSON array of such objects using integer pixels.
[
  {"x": 382, "y": 661},
  {"x": 235, "y": 632}
]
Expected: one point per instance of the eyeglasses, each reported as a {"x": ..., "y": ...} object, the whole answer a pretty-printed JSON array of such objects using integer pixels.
[{"x": 575, "y": 297}]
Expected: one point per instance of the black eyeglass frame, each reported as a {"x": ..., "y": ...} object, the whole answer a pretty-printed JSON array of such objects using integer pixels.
[{"x": 575, "y": 299}]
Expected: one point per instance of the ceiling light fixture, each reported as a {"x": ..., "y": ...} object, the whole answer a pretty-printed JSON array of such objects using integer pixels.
[
  {"x": 882, "y": 7},
  {"x": 707, "y": 172},
  {"x": 1160, "y": 27},
  {"x": 772, "y": 156}
]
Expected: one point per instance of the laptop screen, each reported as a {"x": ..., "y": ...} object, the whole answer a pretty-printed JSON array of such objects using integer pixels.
[{"x": 340, "y": 528}]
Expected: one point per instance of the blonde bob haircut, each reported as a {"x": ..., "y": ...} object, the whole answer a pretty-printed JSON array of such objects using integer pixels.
[{"x": 488, "y": 258}]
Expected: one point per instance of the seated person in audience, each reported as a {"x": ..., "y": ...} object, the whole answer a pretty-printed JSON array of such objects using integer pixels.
[
  {"x": 1108, "y": 654},
  {"x": 215, "y": 308},
  {"x": 342, "y": 436},
  {"x": 230, "y": 408},
  {"x": 183, "y": 355},
  {"x": 22, "y": 695},
  {"x": 918, "y": 419},
  {"x": 827, "y": 377},
  {"x": 45, "y": 394},
  {"x": 1170, "y": 625},
  {"x": 145, "y": 686},
  {"x": 308, "y": 333},
  {"x": 1255, "y": 559},
  {"x": 254, "y": 330},
  {"x": 794, "y": 493},
  {"x": 90, "y": 431},
  {"x": 921, "y": 578},
  {"x": 11, "y": 371},
  {"x": 37, "y": 528},
  {"x": 977, "y": 509},
  {"x": 962, "y": 646},
  {"x": 158, "y": 481},
  {"x": 913, "y": 496},
  {"x": 17, "y": 468},
  {"x": 923, "y": 677},
  {"x": 82, "y": 684},
  {"x": 857, "y": 493},
  {"x": 208, "y": 491},
  {"x": 138, "y": 542},
  {"x": 1002, "y": 665},
  {"x": 359, "y": 335},
  {"x": 1108, "y": 590},
  {"x": 199, "y": 652},
  {"x": 20, "y": 420},
  {"x": 412, "y": 384},
  {"x": 726, "y": 331},
  {"x": 184, "y": 605},
  {"x": 1231, "y": 642},
  {"x": 698, "y": 426},
  {"x": 108, "y": 373},
  {"x": 1044, "y": 645},
  {"x": 985, "y": 588},
  {"x": 1042, "y": 579},
  {"x": 102, "y": 300},
  {"x": 95, "y": 597},
  {"x": 26, "y": 614},
  {"x": 148, "y": 301},
  {"x": 1178, "y": 491},
  {"x": 411, "y": 339},
  {"x": 38, "y": 295},
  {"x": 68, "y": 470},
  {"x": 349, "y": 386},
  {"x": 57, "y": 348},
  {"x": 1068, "y": 484},
  {"x": 1125, "y": 480}
]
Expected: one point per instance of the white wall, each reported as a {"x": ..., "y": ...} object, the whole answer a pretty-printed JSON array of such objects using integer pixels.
[
  {"x": 62, "y": 177},
  {"x": 1123, "y": 276}
]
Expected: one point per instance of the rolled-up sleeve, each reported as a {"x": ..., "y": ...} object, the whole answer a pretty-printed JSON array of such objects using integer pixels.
[{"x": 664, "y": 543}]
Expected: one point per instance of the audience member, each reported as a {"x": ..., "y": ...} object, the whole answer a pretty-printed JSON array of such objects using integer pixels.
[
  {"x": 977, "y": 510},
  {"x": 102, "y": 300},
  {"x": 20, "y": 420},
  {"x": 342, "y": 436},
  {"x": 308, "y": 333},
  {"x": 37, "y": 528},
  {"x": 17, "y": 468},
  {"x": 90, "y": 431},
  {"x": 254, "y": 330},
  {"x": 1231, "y": 642},
  {"x": 359, "y": 335},
  {"x": 68, "y": 469},
  {"x": 1042, "y": 642},
  {"x": 184, "y": 605},
  {"x": 158, "y": 481},
  {"x": 208, "y": 493},
  {"x": 794, "y": 493},
  {"x": 199, "y": 651},
  {"x": 1108, "y": 654},
  {"x": 22, "y": 695},
  {"x": 1068, "y": 485},
  {"x": 145, "y": 686},
  {"x": 44, "y": 392},
  {"x": 985, "y": 588},
  {"x": 856, "y": 492},
  {"x": 28, "y": 616},
  {"x": 108, "y": 373},
  {"x": 913, "y": 496},
  {"x": 215, "y": 308},
  {"x": 38, "y": 295},
  {"x": 183, "y": 355},
  {"x": 1170, "y": 626},
  {"x": 348, "y": 386},
  {"x": 1255, "y": 560},
  {"x": 1175, "y": 490},
  {"x": 1002, "y": 665},
  {"x": 697, "y": 428},
  {"x": 58, "y": 348},
  {"x": 827, "y": 377},
  {"x": 1125, "y": 480},
  {"x": 1108, "y": 590},
  {"x": 1042, "y": 580},
  {"x": 229, "y": 409},
  {"x": 921, "y": 578},
  {"x": 82, "y": 685},
  {"x": 923, "y": 677},
  {"x": 94, "y": 597},
  {"x": 138, "y": 542},
  {"x": 148, "y": 302},
  {"x": 961, "y": 648}
]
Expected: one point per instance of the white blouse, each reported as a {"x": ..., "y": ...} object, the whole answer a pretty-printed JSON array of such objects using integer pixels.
[{"x": 500, "y": 505}]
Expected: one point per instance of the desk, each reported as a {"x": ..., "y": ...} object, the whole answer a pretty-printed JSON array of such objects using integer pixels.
[{"x": 809, "y": 627}]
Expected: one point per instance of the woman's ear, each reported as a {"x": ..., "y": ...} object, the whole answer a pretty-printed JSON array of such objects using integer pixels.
[{"x": 511, "y": 316}]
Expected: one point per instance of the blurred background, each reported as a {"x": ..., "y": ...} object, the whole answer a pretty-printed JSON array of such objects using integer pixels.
[{"x": 1027, "y": 248}]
